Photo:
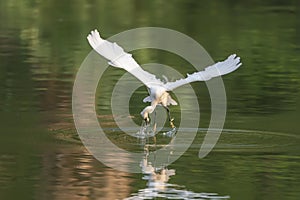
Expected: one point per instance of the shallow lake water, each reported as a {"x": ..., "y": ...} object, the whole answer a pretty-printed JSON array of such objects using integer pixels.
[{"x": 43, "y": 44}]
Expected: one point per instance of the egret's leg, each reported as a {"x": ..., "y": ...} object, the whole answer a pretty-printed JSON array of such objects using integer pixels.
[
  {"x": 168, "y": 110},
  {"x": 154, "y": 125},
  {"x": 169, "y": 115}
]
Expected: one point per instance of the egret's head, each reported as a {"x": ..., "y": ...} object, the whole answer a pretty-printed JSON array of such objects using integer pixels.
[{"x": 145, "y": 113}]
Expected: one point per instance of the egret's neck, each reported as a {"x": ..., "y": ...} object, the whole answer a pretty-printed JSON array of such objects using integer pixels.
[{"x": 148, "y": 110}]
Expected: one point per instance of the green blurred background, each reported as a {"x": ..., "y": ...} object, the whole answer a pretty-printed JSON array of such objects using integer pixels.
[{"x": 43, "y": 43}]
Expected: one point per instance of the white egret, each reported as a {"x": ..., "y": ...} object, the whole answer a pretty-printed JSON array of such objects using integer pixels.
[{"x": 158, "y": 90}]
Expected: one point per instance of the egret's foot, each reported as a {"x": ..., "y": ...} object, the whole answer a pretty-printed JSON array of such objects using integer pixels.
[
  {"x": 146, "y": 130},
  {"x": 171, "y": 123},
  {"x": 171, "y": 133}
]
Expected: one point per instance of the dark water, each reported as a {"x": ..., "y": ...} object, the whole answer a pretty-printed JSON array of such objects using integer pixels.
[{"x": 42, "y": 45}]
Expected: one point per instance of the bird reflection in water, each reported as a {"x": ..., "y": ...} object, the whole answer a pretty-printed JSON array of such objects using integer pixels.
[{"x": 158, "y": 177}]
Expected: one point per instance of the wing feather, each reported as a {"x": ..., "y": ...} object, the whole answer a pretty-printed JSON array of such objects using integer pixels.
[
  {"x": 119, "y": 58},
  {"x": 218, "y": 69}
]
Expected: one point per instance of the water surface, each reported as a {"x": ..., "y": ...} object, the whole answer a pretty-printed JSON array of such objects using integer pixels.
[{"x": 42, "y": 45}]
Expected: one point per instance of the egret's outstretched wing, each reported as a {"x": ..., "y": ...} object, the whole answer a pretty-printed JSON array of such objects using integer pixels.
[
  {"x": 119, "y": 58},
  {"x": 218, "y": 69}
]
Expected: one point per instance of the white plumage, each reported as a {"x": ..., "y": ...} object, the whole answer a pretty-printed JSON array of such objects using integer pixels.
[{"x": 158, "y": 90}]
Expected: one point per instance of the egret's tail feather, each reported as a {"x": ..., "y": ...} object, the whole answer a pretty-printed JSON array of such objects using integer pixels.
[{"x": 171, "y": 101}]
